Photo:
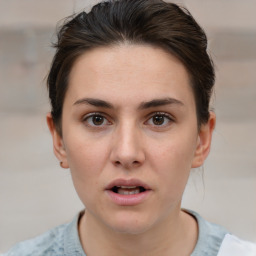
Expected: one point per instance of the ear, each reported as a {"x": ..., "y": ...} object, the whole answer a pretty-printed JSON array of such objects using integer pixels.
[
  {"x": 204, "y": 141},
  {"x": 58, "y": 145}
]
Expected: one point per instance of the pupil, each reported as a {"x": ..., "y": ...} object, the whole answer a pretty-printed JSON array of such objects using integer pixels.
[
  {"x": 158, "y": 120},
  {"x": 97, "y": 120}
]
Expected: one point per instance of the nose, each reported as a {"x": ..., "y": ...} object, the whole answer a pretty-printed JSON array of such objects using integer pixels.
[{"x": 127, "y": 147}]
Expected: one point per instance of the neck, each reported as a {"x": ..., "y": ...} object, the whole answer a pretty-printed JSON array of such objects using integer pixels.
[{"x": 175, "y": 235}]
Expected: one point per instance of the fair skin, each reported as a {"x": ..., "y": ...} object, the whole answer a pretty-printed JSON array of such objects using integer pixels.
[{"x": 128, "y": 124}]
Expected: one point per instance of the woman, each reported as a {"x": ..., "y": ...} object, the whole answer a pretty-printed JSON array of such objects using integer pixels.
[{"x": 130, "y": 86}]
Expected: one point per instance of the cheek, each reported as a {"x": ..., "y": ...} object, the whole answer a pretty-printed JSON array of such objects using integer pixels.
[
  {"x": 84, "y": 153},
  {"x": 174, "y": 153},
  {"x": 86, "y": 164},
  {"x": 173, "y": 161},
  {"x": 86, "y": 160}
]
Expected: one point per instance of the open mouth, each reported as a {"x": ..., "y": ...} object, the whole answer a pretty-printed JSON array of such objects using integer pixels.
[{"x": 128, "y": 190}]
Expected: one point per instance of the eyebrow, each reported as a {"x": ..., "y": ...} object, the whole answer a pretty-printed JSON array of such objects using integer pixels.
[
  {"x": 160, "y": 102},
  {"x": 143, "y": 105},
  {"x": 94, "y": 102}
]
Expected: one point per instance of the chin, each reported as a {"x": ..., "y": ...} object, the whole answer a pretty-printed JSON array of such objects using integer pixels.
[{"x": 130, "y": 223}]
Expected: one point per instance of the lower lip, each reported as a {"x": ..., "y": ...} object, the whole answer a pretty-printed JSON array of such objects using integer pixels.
[{"x": 128, "y": 200}]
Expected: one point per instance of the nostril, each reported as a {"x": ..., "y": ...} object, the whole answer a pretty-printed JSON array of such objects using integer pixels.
[
  {"x": 127, "y": 164},
  {"x": 117, "y": 163}
]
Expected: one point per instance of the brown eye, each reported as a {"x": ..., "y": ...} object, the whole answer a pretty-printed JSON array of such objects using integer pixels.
[
  {"x": 158, "y": 119},
  {"x": 98, "y": 120}
]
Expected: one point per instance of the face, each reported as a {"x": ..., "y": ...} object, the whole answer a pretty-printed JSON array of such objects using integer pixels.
[{"x": 130, "y": 135}]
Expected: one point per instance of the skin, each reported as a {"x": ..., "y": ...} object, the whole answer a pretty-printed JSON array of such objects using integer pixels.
[{"x": 129, "y": 143}]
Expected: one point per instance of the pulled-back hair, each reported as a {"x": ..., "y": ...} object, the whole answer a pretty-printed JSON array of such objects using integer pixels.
[{"x": 114, "y": 22}]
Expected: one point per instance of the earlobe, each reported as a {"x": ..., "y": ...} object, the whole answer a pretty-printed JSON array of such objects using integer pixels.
[
  {"x": 204, "y": 141},
  {"x": 58, "y": 145}
]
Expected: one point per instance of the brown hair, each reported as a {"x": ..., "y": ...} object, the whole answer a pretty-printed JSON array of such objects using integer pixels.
[{"x": 152, "y": 22}]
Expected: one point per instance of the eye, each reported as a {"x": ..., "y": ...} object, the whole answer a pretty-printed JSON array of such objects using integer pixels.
[
  {"x": 159, "y": 119},
  {"x": 96, "y": 119}
]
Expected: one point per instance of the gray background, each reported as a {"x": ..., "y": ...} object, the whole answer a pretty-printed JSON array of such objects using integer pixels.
[{"x": 36, "y": 194}]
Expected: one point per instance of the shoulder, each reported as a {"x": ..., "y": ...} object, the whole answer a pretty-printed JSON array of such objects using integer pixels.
[
  {"x": 215, "y": 240},
  {"x": 50, "y": 243},
  {"x": 60, "y": 241},
  {"x": 210, "y": 237}
]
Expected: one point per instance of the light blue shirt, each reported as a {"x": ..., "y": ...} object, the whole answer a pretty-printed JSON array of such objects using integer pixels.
[{"x": 64, "y": 241}]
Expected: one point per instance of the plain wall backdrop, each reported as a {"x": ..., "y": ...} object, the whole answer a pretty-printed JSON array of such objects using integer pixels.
[{"x": 36, "y": 194}]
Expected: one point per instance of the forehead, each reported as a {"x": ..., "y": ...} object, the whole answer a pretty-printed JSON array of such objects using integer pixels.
[{"x": 129, "y": 70}]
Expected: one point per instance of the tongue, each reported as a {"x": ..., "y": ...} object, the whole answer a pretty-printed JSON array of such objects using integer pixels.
[{"x": 128, "y": 191}]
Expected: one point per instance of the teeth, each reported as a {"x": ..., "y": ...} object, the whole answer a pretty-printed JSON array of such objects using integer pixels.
[
  {"x": 127, "y": 186},
  {"x": 128, "y": 192}
]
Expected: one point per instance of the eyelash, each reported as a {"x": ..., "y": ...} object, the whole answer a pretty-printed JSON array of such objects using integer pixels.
[
  {"x": 94, "y": 115},
  {"x": 107, "y": 122},
  {"x": 161, "y": 114}
]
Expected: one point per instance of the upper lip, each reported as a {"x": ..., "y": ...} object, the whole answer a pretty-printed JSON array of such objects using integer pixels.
[{"x": 128, "y": 183}]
